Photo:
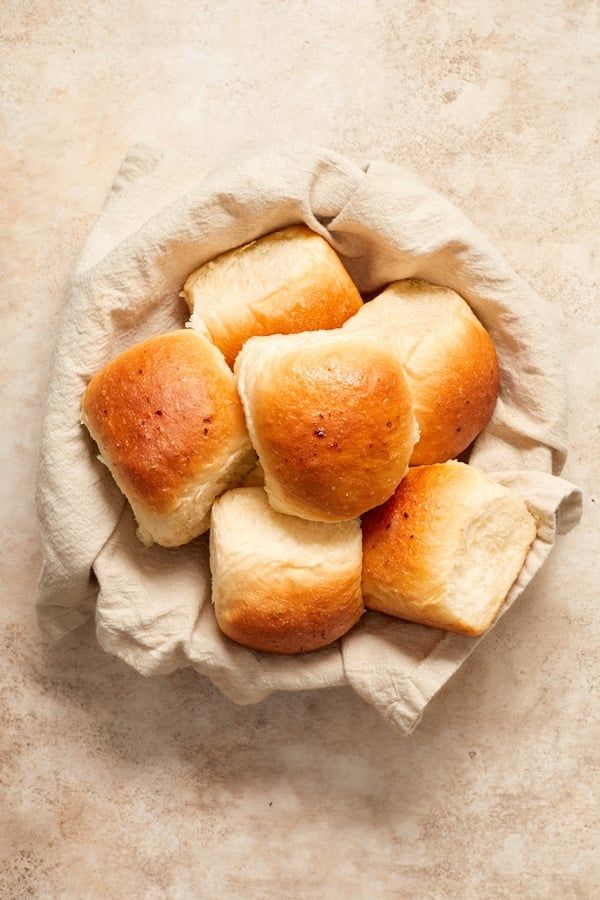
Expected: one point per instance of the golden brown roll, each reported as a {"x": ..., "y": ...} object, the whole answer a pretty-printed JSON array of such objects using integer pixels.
[
  {"x": 330, "y": 416},
  {"x": 282, "y": 584},
  {"x": 169, "y": 425},
  {"x": 446, "y": 548},
  {"x": 285, "y": 282},
  {"x": 449, "y": 359}
]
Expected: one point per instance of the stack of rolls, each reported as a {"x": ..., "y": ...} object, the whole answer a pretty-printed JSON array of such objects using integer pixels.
[{"x": 288, "y": 412}]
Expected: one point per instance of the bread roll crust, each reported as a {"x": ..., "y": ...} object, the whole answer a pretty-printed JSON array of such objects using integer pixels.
[
  {"x": 293, "y": 622},
  {"x": 414, "y": 547},
  {"x": 282, "y": 584},
  {"x": 450, "y": 363},
  {"x": 283, "y": 283},
  {"x": 330, "y": 416},
  {"x": 165, "y": 414}
]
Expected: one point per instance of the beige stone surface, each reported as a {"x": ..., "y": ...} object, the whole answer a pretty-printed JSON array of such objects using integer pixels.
[{"x": 113, "y": 786}]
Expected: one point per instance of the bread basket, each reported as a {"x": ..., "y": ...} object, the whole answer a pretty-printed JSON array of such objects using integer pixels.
[{"x": 161, "y": 220}]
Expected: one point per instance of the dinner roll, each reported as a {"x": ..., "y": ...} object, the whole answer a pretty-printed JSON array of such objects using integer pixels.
[
  {"x": 169, "y": 425},
  {"x": 286, "y": 282},
  {"x": 446, "y": 548},
  {"x": 449, "y": 358},
  {"x": 330, "y": 416},
  {"x": 279, "y": 583}
]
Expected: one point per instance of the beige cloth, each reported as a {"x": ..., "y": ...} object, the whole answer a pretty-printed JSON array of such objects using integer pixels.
[{"x": 160, "y": 222}]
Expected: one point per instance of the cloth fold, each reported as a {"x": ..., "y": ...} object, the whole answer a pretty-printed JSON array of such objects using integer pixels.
[{"x": 162, "y": 220}]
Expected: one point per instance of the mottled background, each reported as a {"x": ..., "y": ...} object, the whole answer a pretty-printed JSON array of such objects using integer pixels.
[{"x": 112, "y": 786}]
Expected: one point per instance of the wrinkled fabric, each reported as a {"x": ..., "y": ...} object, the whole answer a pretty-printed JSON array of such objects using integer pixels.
[{"x": 161, "y": 221}]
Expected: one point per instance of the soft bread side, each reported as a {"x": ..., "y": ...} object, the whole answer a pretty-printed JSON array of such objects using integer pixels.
[
  {"x": 288, "y": 281},
  {"x": 449, "y": 359},
  {"x": 330, "y": 416},
  {"x": 446, "y": 548},
  {"x": 169, "y": 425},
  {"x": 282, "y": 584}
]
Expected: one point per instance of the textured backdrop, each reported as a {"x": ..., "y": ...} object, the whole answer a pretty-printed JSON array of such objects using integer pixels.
[{"x": 114, "y": 786}]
